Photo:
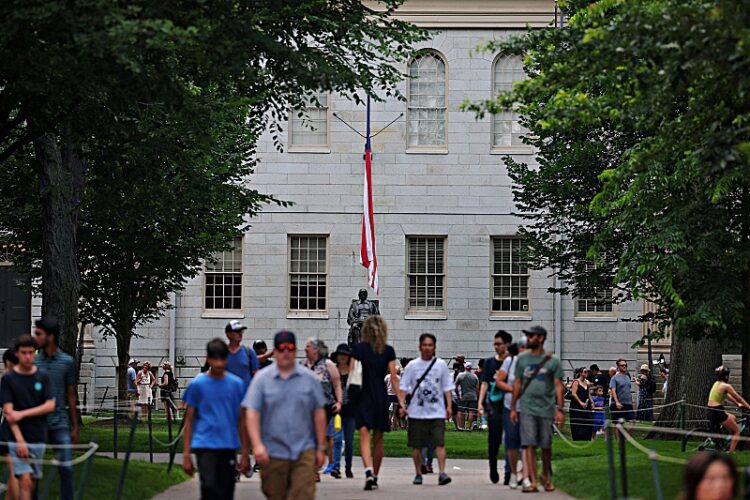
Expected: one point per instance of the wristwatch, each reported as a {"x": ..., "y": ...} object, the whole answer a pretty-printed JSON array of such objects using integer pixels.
[{"x": 322, "y": 448}]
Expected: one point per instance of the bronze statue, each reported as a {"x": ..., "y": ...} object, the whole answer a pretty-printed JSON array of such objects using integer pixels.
[{"x": 359, "y": 311}]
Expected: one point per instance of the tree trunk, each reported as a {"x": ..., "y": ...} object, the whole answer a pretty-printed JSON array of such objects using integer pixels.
[
  {"x": 62, "y": 173},
  {"x": 691, "y": 375},
  {"x": 123, "y": 335}
]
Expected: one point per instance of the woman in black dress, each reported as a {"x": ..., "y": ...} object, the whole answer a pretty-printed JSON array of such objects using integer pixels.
[
  {"x": 581, "y": 428},
  {"x": 377, "y": 359}
]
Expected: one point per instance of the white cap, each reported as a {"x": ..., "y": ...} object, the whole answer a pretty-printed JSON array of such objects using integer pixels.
[
  {"x": 234, "y": 326},
  {"x": 132, "y": 361},
  {"x": 467, "y": 365}
]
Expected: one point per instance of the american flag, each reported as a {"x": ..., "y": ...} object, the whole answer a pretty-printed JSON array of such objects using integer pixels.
[{"x": 368, "y": 256}]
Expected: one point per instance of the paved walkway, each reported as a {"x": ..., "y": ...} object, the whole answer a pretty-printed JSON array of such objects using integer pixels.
[{"x": 470, "y": 481}]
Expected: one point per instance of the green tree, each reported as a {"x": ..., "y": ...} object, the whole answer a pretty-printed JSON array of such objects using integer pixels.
[
  {"x": 639, "y": 115},
  {"x": 72, "y": 70}
]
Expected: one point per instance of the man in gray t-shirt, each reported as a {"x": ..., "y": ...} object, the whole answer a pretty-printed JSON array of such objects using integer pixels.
[
  {"x": 467, "y": 383},
  {"x": 619, "y": 390}
]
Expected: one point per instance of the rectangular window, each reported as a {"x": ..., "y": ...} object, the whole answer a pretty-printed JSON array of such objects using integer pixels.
[
  {"x": 308, "y": 276},
  {"x": 595, "y": 301},
  {"x": 426, "y": 273},
  {"x": 224, "y": 279},
  {"x": 510, "y": 277},
  {"x": 308, "y": 127}
]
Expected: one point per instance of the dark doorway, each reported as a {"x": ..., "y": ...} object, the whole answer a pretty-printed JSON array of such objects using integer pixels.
[{"x": 15, "y": 306}]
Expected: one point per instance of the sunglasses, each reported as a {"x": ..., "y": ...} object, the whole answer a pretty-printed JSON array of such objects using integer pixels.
[{"x": 287, "y": 346}]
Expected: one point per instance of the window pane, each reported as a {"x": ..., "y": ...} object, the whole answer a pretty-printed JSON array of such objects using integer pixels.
[
  {"x": 310, "y": 129},
  {"x": 427, "y": 102},
  {"x": 307, "y": 273},
  {"x": 223, "y": 279},
  {"x": 425, "y": 278},
  {"x": 510, "y": 276},
  {"x": 507, "y": 131}
]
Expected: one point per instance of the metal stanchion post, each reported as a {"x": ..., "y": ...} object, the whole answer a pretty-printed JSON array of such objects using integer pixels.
[
  {"x": 131, "y": 438},
  {"x": 173, "y": 448},
  {"x": 611, "y": 456},
  {"x": 114, "y": 428},
  {"x": 623, "y": 465},
  {"x": 170, "y": 415},
  {"x": 655, "y": 472},
  {"x": 84, "y": 477},
  {"x": 150, "y": 436}
]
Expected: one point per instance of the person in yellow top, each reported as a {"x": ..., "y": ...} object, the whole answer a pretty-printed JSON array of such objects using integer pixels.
[{"x": 720, "y": 392}]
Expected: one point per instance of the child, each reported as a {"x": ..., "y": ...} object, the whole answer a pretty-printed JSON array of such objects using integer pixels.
[
  {"x": 213, "y": 424},
  {"x": 26, "y": 395},
  {"x": 599, "y": 416}
]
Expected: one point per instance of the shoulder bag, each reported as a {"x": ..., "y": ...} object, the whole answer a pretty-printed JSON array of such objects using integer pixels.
[
  {"x": 547, "y": 357},
  {"x": 416, "y": 386}
]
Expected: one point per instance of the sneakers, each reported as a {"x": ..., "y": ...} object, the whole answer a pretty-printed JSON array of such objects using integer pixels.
[
  {"x": 429, "y": 469},
  {"x": 443, "y": 479},
  {"x": 506, "y": 479},
  {"x": 370, "y": 481},
  {"x": 336, "y": 473},
  {"x": 526, "y": 483},
  {"x": 417, "y": 479},
  {"x": 423, "y": 468},
  {"x": 328, "y": 469},
  {"x": 349, "y": 473}
]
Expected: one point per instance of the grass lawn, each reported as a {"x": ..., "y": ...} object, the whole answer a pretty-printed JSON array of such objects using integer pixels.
[
  {"x": 143, "y": 480},
  {"x": 583, "y": 473}
]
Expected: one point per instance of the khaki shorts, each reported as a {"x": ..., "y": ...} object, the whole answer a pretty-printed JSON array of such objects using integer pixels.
[
  {"x": 426, "y": 432},
  {"x": 287, "y": 479},
  {"x": 536, "y": 432}
]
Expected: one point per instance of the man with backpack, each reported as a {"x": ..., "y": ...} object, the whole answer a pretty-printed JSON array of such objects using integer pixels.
[
  {"x": 492, "y": 397},
  {"x": 242, "y": 362},
  {"x": 539, "y": 388},
  {"x": 426, "y": 385}
]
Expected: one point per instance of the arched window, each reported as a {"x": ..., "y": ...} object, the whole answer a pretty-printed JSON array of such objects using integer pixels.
[
  {"x": 506, "y": 131},
  {"x": 427, "y": 102}
]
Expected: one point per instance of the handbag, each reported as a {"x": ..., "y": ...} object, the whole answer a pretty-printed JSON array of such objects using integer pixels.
[
  {"x": 355, "y": 377},
  {"x": 416, "y": 386}
]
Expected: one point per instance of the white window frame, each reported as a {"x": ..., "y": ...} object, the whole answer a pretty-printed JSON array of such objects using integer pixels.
[
  {"x": 425, "y": 312},
  {"x": 493, "y": 276},
  {"x": 594, "y": 314},
  {"x": 307, "y": 313},
  {"x": 496, "y": 87},
  {"x": 238, "y": 244},
  {"x": 294, "y": 117},
  {"x": 427, "y": 148}
]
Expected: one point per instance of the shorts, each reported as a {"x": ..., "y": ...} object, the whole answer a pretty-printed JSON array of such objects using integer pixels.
[
  {"x": 133, "y": 396},
  {"x": 468, "y": 405},
  {"x": 626, "y": 413},
  {"x": 535, "y": 431},
  {"x": 425, "y": 432},
  {"x": 716, "y": 416},
  {"x": 31, "y": 466},
  {"x": 512, "y": 436},
  {"x": 392, "y": 398}
]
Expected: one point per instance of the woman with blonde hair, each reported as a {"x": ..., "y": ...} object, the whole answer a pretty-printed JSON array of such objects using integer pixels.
[{"x": 377, "y": 358}]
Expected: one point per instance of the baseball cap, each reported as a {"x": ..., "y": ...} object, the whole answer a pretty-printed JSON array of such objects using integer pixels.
[
  {"x": 467, "y": 365},
  {"x": 234, "y": 326},
  {"x": 132, "y": 361},
  {"x": 536, "y": 330},
  {"x": 521, "y": 341},
  {"x": 284, "y": 337}
]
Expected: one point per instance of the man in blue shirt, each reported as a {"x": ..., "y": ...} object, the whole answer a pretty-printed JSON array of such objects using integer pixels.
[
  {"x": 213, "y": 424},
  {"x": 242, "y": 361},
  {"x": 63, "y": 422},
  {"x": 286, "y": 422}
]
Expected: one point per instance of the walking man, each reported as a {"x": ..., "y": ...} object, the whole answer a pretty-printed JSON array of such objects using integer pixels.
[
  {"x": 213, "y": 424},
  {"x": 27, "y": 399},
  {"x": 538, "y": 385},
  {"x": 62, "y": 423},
  {"x": 286, "y": 422},
  {"x": 620, "y": 397},
  {"x": 428, "y": 383},
  {"x": 487, "y": 391},
  {"x": 466, "y": 384},
  {"x": 132, "y": 389}
]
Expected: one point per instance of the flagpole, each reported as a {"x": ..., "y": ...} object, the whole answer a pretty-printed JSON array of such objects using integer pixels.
[{"x": 367, "y": 136}]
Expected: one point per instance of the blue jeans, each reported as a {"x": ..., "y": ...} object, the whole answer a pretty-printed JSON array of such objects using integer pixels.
[
  {"x": 348, "y": 428},
  {"x": 338, "y": 438},
  {"x": 62, "y": 436}
]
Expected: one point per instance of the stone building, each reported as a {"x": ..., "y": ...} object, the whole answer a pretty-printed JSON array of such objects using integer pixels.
[{"x": 446, "y": 231}]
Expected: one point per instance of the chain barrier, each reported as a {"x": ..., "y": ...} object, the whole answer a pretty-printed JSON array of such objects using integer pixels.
[
  {"x": 89, "y": 447},
  {"x": 651, "y": 454}
]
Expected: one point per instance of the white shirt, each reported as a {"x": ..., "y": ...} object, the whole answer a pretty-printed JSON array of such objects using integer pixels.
[
  {"x": 429, "y": 400},
  {"x": 509, "y": 367}
]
